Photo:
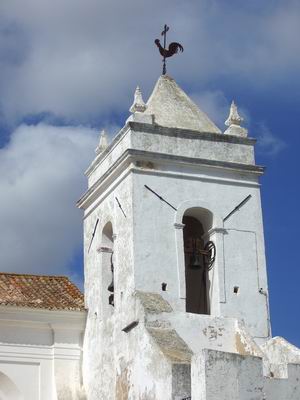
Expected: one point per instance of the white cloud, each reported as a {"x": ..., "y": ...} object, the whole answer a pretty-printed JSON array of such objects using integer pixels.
[
  {"x": 268, "y": 143},
  {"x": 214, "y": 104},
  {"x": 80, "y": 59},
  {"x": 41, "y": 179}
]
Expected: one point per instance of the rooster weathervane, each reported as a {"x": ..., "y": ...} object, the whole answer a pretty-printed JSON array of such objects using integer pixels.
[{"x": 173, "y": 48}]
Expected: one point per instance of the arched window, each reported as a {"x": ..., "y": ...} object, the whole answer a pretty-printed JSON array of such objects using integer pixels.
[
  {"x": 107, "y": 288},
  {"x": 197, "y": 222}
]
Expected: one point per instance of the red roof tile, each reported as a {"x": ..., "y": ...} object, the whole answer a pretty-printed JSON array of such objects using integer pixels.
[{"x": 40, "y": 291}]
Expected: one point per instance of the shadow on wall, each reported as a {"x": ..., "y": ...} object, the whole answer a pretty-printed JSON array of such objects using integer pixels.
[{"x": 8, "y": 390}]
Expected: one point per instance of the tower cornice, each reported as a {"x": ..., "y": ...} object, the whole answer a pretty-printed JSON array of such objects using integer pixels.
[
  {"x": 176, "y": 133},
  {"x": 141, "y": 161},
  {"x": 189, "y": 133}
]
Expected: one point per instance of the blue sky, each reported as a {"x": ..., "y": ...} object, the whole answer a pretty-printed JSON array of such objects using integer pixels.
[{"x": 69, "y": 68}]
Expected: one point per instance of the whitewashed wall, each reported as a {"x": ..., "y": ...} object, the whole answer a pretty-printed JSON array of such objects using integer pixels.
[
  {"x": 224, "y": 376},
  {"x": 150, "y": 248},
  {"x": 41, "y": 354}
]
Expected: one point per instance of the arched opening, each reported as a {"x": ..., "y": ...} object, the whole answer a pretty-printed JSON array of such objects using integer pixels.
[
  {"x": 8, "y": 390},
  {"x": 196, "y": 222},
  {"x": 108, "y": 282}
]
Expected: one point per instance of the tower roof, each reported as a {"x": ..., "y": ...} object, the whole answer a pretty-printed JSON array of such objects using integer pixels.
[{"x": 172, "y": 108}]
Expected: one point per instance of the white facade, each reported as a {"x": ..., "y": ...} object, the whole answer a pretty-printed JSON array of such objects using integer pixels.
[
  {"x": 141, "y": 340},
  {"x": 40, "y": 354}
]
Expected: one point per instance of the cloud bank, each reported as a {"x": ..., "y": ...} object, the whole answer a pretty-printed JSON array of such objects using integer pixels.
[
  {"x": 41, "y": 179},
  {"x": 80, "y": 59},
  {"x": 268, "y": 143}
]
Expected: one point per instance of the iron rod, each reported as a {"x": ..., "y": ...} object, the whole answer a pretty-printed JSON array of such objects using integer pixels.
[
  {"x": 237, "y": 207},
  {"x": 160, "y": 198},
  {"x": 93, "y": 234}
]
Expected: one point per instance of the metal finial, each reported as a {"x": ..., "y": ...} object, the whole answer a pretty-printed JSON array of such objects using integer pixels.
[{"x": 174, "y": 47}]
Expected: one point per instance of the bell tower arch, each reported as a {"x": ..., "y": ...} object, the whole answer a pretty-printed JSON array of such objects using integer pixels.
[
  {"x": 197, "y": 283},
  {"x": 196, "y": 279},
  {"x": 107, "y": 269}
]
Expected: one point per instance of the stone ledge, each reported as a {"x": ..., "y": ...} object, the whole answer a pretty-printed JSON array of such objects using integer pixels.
[
  {"x": 171, "y": 345},
  {"x": 153, "y": 303},
  {"x": 188, "y": 133},
  {"x": 161, "y": 130}
]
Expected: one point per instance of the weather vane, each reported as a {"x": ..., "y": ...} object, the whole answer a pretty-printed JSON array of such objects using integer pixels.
[{"x": 173, "y": 48}]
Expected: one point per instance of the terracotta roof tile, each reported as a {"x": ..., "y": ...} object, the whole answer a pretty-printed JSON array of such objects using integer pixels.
[{"x": 40, "y": 291}]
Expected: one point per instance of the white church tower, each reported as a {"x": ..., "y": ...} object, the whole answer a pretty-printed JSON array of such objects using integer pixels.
[{"x": 175, "y": 271}]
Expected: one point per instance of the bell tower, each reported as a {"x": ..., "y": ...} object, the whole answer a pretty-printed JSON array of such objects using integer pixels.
[{"x": 173, "y": 229}]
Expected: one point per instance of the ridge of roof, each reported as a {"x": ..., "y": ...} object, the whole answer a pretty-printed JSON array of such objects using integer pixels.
[{"x": 36, "y": 275}]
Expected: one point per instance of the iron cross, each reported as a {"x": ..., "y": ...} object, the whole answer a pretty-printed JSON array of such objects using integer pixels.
[
  {"x": 174, "y": 47},
  {"x": 164, "y": 34}
]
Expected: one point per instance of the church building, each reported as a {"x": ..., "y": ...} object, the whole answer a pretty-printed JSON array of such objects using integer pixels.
[{"x": 176, "y": 301}]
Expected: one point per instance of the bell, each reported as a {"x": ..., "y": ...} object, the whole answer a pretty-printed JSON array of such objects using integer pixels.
[
  {"x": 195, "y": 262},
  {"x": 111, "y": 300},
  {"x": 111, "y": 287}
]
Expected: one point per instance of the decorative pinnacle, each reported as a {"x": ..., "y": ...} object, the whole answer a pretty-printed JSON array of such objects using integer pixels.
[
  {"x": 103, "y": 142},
  {"x": 234, "y": 123},
  {"x": 234, "y": 117},
  {"x": 138, "y": 102}
]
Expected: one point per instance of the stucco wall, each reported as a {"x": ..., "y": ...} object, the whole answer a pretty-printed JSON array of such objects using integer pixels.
[
  {"x": 41, "y": 354},
  {"x": 240, "y": 262},
  {"x": 210, "y": 174},
  {"x": 224, "y": 376}
]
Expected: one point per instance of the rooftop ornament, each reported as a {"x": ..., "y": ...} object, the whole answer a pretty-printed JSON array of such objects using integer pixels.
[
  {"x": 174, "y": 47},
  {"x": 138, "y": 109},
  {"x": 138, "y": 102},
  {"x": 103, "y": 142},
  {"x": 234, "y": 122}
]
